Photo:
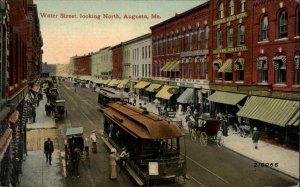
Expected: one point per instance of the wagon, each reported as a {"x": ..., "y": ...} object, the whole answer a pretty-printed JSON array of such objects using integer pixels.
[
  {"x": 59, "y": 109},
  {"x": 74, "y": 139},
  {"x": 205, "y": 128}
]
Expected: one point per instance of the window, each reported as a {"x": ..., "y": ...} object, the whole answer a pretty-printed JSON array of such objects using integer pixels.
[
  {"x": 280, "y": 69},
  {"x": 230, "y": 8},
  {"x": 149, "y": 70},
  {"x": 143, "y": 70},
  {"x": 264, "y": 28},
  {"x": 239, "y": 70},
  {"x": 219, "y": 39},
  {"x": 142, "y": 52},
  {"x": 282, "y": 25},
  {"x": 297, "y": 70},
  {"x": 157, "y": 48},
  {"x": 190, "y": 40},
  {"x": 189, "y": 70},
  {"x": 145, "y": 51},
  {"x": 186, "y": 41},
  {"x": 198, "y": 70},
  {"x": 220, "y": 10},
  {"x": 229, "y": 37},
  {"x": 198, "y": 38},
  {"x": 241, "y": 34},
  {"x": 167, "y": 46},
  {"x": 182, "y": 70},
  {"x": 205, "y": 68},
  {"x": 242, "y": 5},
  {"x": 206, "y": 37},
  {"x": 171, "y": 46},
  {"x": 149, "y": 48},
  {"x": 298, "y": 21}
]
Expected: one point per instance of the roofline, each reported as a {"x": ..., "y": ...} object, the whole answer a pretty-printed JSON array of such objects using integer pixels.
[
  {"x": 203, "y": 5},
  {"x": 142, "y": 37}
]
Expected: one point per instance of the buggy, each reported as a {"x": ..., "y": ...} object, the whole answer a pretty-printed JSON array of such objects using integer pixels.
[{"x": 59, "y": 109}]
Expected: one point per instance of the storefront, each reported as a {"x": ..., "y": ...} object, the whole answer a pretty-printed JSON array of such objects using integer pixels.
[
  {"x": 124, "y": 85},
  {"x": 140, "y": 89},
  {"x": 168, "y": 95},
  {"x": 152, "y": 91}
]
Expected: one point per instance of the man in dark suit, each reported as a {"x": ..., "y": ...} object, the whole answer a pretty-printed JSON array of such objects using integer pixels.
[{"x": 48, "y": 150}]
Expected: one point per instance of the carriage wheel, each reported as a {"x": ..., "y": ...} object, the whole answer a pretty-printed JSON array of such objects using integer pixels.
[
  {"x": 203, "y": 139},
  {"x": 193, "y": 135}
]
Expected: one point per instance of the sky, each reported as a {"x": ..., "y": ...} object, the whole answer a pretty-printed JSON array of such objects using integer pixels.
[{"x": 78, "y": 27}]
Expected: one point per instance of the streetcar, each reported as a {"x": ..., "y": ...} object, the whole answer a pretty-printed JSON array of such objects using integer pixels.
[
  {"x": 153, "y": 144},
  {"x": 110, "y": 95}
]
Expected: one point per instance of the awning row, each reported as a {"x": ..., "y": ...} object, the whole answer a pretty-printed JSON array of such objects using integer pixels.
[{"x": 279, "y": 112}]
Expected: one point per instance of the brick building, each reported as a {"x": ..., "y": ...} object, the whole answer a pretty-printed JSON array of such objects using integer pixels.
[
  {"x": 82, "y": 64},
  {"x": 34, "y": 44},
  {"x": 117, "y": 58}
]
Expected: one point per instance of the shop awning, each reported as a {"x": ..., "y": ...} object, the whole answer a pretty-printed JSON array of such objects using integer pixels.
[
  {"x": 85, "y": 78},
  {"x": 141, "y": 84},
  {"x": 295, "y": 121},
  {"x": 99, "y": 81},
  {"x": 35, "y": 88},
  {"x": 113, "y": 82},
  {"x": 275, "y": 111},
  {"x": 239, "y": 64},
  {"x": 217, "y": 64},
  {"x": 166, "y": 92},
  {"x": 166, "y": 66},
  {"x": 153, "y": 87},
  {"x": 106, "y": 82},
  {"x": 226, "y": 98},
  {"x": 123, "y": 84},
  {"x": 226, "y": 67},
  {"x": 187, "y": 96},
  {"x": 174, "y": 67}
]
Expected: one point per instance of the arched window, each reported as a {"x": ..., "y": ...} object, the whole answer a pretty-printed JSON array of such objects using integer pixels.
[
  {"x": 282, "y": 24},
  {"x": 172, "y": 47},
  {"x": 279, "y": 63},
  {"x": 230, "y": 8},
  {"x": 206, "y": 37},
  {"x": 219, "y": 38},
  {"x": 297, "y": 70},
  {"x": 198, "y": 38},
  {"x": 229, "y": 37},
  {"x": 298, "y": 21},
  {"x": 241, "y": 34},
  {"x": 242, "y": 5},
  {"x": 264, "y": 28},
  {"x": 220, "y": 10},
  {"x": 190, "y": 40}
]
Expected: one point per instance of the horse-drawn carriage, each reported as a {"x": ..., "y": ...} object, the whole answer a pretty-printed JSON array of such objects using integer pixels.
[
  {"x": 59, "y": 109},
  {"x": 204, "y": 128},
  {"x": 74, "y": 146}
]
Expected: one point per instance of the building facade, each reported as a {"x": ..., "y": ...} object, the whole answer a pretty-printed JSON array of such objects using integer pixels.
[
  {"x": 117, "y": 61},
  {"x": 82, "y": 65},
  {"x": 102, "y": 63},
  {"x": 48, "y": 70},
  {"x": 62, "y": 70}
]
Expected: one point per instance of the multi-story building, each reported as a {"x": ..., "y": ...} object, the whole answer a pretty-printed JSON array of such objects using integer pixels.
[
  {"x": 82, "y": 64},
  {"x": 34, "y": 43},
  {"x": 181, "y": 54},
  {"x": 117, "y": 61},
  {"x": 274, "y": 97},
  {"x": 48, "y": 70},
  {"x": 102, "y": 63},
  {"x": 62, "y": 70}
]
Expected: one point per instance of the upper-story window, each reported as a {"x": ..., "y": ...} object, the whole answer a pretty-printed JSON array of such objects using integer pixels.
[
  {"x": 143, "y": 53},
  {"x": 146, "y": 51},
  {"x": 297, "y": 70},
  {"x": 198, "y": 38},
  {"x": 230, "y": 8},
  {"x": 206, "y": 37},
  {"x": 185, "y": 41},
  {"x": 230, "y": 37},
  {"x": 177, "y": 43},
  {"x": 167, "y": 45},
  {"x": 171, "y": 46},
  {"x": 220, "y": 10},
  {"x": 241, "y": 34},
  {"x": 149, "y": 48},
  {"x": 279, "y": 63},
  {"x": 282, "y": 24},
  {"x": 264, "y": 28},
  {"x": 219, "y": 39},
  {"x": 190, "y": 40},
  {"x": 242, "y": 4},
  {"x": 298, "y": 21}
]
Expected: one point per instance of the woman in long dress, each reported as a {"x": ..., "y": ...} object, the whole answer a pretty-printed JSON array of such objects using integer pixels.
[{"x": 112, "y": 164}]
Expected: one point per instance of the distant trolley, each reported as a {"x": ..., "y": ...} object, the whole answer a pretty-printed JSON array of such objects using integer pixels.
[
  {"x": 153, "y": 144},
  {"x": 110, "y": 95}
]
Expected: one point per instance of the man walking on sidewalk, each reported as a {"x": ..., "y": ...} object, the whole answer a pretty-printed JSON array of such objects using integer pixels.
[
  {"x": 48, "y": 150},
  {"x": 255, "y": 137}
]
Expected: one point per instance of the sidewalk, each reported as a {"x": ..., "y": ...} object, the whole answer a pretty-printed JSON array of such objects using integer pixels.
[
  {"x": 288, "y": 160},
  {"x": 36, "y": 172}
]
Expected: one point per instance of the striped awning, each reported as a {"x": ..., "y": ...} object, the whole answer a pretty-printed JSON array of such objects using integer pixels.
[
  {"x": 153, "y": 87},
  {"x": 226, "y": 67},
  {"x": 187, "y": 96},
  {"x": 167, "y": 66},
  {"x": 106, "y": 82},
  {"x": 141, "y": 84},
  {"x": 123, "y": 84},
  {"x": 226, "y": 98},
  {"x": 174, "y": 67},
  {"x": 275, "y": 111},
  {"x": 113, "y": 83},
  {"x": 165, "y": 93},
  {"x": 217, "y": 64}
]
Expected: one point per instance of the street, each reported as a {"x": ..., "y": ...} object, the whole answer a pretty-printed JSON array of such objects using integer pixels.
[{"x": 206, "y": 166}]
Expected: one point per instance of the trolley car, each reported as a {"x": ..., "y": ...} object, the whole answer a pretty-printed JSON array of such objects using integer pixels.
[
  {"x": 109, "y": 95},
  {"x": 152, "y": 143}
]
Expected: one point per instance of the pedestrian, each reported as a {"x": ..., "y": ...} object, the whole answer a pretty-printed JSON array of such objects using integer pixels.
[
  {"x": 113, "y": 164},
  {"x": 86, "y": 146},
  {"x": 134, "y": 101},
  {"x": 48, "y": 150},
  {"x": 33, "y": 113},
  {"x": 93, "y": 138},
  {"x": 255, "y": 137},
  {"x": 123, "y": 157},
  {"x": 188, "y": 111}
]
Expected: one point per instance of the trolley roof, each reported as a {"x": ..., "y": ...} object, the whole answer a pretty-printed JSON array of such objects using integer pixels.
[
  {"x": 140, "y": 124},
  {"x": 74, "y": 131},
  {"x": 112, "y": 93}
]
